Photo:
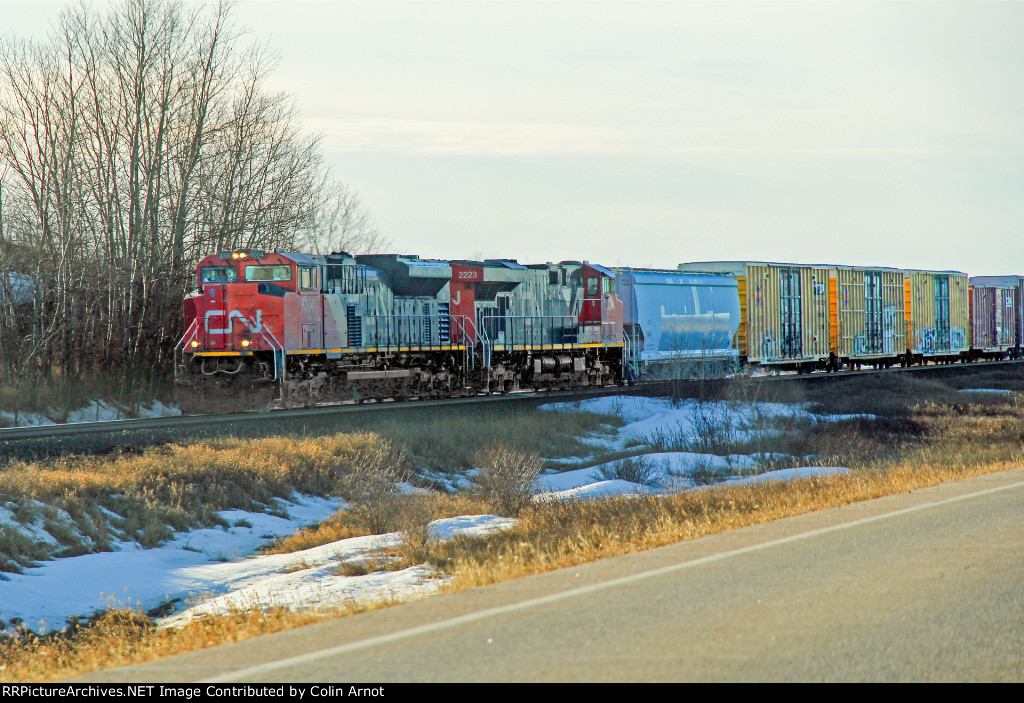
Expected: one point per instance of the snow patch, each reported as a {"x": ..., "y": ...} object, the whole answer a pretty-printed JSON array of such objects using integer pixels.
[
  {"x": 94, "y": 411},
  {"x": 649, "y": 420},
  {"x": 46, "y": 595},
  {"x": 213, "y": 570},
  {"x": 658, "y": 422},
  {"x": 789, "y": 474},
  {"x": 469, "y": 526}
]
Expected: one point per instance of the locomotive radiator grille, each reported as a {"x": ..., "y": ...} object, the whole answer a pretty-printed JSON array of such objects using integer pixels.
[
  {"x": 444, "y": 323},
  {"x": 355, "y": 326}
]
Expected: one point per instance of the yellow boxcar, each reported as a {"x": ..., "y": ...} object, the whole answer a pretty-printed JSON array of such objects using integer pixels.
[
  {"x": 868, "y": 314},
  {"x": 937, "y": 314},
  {"x": 784, "y": 311}
]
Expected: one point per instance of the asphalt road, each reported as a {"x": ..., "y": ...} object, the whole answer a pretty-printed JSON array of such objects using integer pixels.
[{"x": 926, "y": 586}]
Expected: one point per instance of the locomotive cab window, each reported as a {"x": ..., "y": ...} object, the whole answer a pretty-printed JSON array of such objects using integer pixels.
[
  {"x": 268, "y": 273},
  {"x": 308, "y": 278},
  {"x": 593, "y": 286},
  {"x": 218, "y": 274}
]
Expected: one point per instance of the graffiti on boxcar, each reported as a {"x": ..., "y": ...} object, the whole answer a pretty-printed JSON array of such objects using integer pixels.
[
  {"x": 889, "y": 329},
  {"x": 928, "y": 338},
  {"x": 860, "y": 345},
  {"x": 957, "y": 338}
]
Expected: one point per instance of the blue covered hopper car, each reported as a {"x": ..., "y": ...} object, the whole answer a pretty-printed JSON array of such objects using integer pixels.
[{"x": 678, "y": 325}]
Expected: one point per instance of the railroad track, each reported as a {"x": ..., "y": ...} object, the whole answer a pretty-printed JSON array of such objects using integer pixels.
[
  {"x": 278, "y": 415},
  {"x": 269, "y": 418}
]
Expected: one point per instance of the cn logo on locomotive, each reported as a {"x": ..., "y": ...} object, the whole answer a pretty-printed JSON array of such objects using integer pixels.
[{"x": 254, "y": 325}]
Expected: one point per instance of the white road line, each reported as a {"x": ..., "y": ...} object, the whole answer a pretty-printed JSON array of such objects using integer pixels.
[{"x": 241, "y": 674}]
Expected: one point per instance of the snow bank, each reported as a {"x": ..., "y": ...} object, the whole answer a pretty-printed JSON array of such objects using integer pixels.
[
  {"x": 310, "y": 578},
  {"x": 212, "y": 571}
]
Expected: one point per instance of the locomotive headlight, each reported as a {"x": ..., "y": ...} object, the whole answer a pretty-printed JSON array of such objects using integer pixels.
[
  {"x": 195, "y": 343},
  {"x": 246, "y": 342}
]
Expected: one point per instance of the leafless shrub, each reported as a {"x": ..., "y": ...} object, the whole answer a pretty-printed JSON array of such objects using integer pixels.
[
  {"x": 342, "y": 223},
  {"x": 372, "y": 487},
  {"x": 505, "y": 478},
  {"x": 635, "y": 469},
  {"x": 700, "y": 471},
  {"x": 414, "y": 518},
  {"x": 714, "y": 428},
  {"x": 703, "y": 473}
]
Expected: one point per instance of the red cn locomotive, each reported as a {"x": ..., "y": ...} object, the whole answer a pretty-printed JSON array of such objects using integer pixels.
[{"x": 294, "y": 329}]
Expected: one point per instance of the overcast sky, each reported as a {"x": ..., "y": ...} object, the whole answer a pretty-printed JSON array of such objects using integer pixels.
[{"x": 647, "y": 134}]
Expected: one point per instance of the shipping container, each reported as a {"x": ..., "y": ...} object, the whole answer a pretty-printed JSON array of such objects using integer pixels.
[
  {"x": 996, "y": 316},
  {"x": 868, "y": 314},
  {"x": 937, "y": 314},
  {"x": 784, "y": 311}
]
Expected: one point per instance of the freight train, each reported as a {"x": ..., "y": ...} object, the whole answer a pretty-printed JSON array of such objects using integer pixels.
[{"x": 292, "y": 329}]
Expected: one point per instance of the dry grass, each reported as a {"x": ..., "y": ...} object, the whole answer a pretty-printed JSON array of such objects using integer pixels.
[
  {"x": 919, "y": 444},
  {"x": 370, "y": 565},
  {"x": 87, "y": 502},
  {"x": 337, "y": 527},
  {"x": 559, "y": 535},
  {"x": 122, "y": 636},
  {"x": 448, "y": 442}
]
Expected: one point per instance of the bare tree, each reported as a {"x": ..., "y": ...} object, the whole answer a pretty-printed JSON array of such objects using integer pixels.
[
  {"x": 343, "y": 223},
  {"x": 39, "y": 138},
  {"x": 134, "y": 140}
]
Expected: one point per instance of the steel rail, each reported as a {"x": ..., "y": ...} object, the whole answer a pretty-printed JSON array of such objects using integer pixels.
[{"x": 277, "y": 415}]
